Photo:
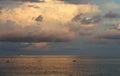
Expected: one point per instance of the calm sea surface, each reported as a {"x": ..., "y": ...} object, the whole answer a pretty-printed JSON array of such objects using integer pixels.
[{"x": 59, "y": 66}]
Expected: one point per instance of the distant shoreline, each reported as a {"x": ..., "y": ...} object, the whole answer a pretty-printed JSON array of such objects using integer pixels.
[{"x": 57, "y": 56}]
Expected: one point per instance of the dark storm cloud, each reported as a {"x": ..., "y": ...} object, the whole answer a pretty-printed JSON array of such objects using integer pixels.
[
  {"x": 78, "y": 17},
  {"x": 112, "y": 15},
  {"x": 82, "y": 18},
  {"x": 33, "y": 39},
  {"x": 87, "y": 20},
  {"x": 22, "y": 36}
]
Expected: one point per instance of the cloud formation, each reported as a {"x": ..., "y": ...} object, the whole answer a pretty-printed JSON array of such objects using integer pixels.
[
  {"x": 40, "y": 22},
  {"x": 112, "y": 5},
  {"x": 111, "y": 34},
  {"x": 32, "y": 46},
  {"x": 66, "y": 1},
  {"x": 23, "y": 0},
  {"x": 76, "y": 1},
  {"x": 112, "y": 15}
]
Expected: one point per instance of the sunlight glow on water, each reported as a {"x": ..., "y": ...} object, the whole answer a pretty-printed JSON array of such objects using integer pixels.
[{"x": 59, "y": 66}]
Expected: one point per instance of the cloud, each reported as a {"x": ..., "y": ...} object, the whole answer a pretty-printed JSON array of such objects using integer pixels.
[
  {"x": 96, "y": 19},
  {"x": 91, "y": 20},
  {"x": 37, "y": 36},
  {"x": 23, "y": 0},
  {"x": 112, "y": 5},
  {"x": 65, "y": 1},
  {"x": 41, "y": 22},
  {"x": 118, "y": 27},
  {"x": 76, "y": 1},
  {"x": 112, "y": 15},
  {"x": 33, "y": 46},
  {"x": 40, "y": 45},
  {"x": 112, "y": 34},
  {"x": 84, "y": 32},
  {"x": 30, "y": 0},
  {"x": 9, "y": 3},
  {"x": 87, "y": 20},
  {"x": 39, "y": 18}
]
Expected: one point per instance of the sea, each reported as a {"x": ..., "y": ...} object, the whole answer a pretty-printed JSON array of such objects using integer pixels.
[{"x": 59, "y": 66}]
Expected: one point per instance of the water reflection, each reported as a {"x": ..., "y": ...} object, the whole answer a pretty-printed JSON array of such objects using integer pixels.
[{"x": 58, "y": 66}]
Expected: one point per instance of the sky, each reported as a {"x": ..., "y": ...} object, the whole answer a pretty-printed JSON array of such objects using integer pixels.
[{"x": 60, "y": 27}]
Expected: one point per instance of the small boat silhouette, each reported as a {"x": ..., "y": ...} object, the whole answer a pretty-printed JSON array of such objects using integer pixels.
[{"x": 74, "y": 61}]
